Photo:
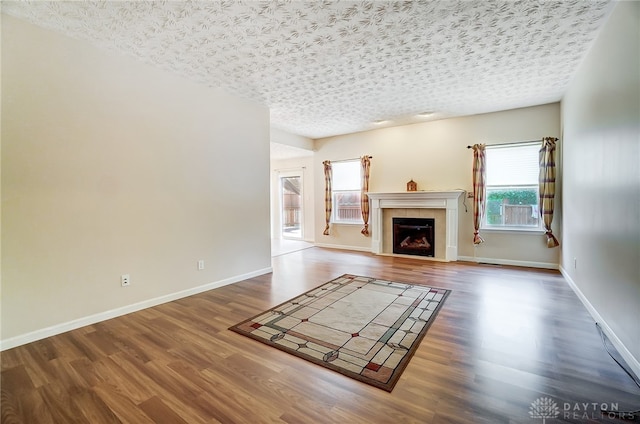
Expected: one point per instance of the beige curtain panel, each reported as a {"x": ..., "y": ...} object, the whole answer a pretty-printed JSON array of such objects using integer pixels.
[
  {"x": 365, "y": 162},
  {"x": 327, "y": 196},
  {"x": 547, "y": 186},
  {"x": 479, "y": 189}
]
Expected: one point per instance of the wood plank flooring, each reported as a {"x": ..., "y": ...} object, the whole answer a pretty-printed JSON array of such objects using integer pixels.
[{"x": 504, "y": 338}]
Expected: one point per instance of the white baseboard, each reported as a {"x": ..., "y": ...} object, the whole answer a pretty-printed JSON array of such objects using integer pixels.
[
  {"x": 113, "y": 313},
  {"x": 617, "y": 343},
  {"x": 340, "y": 246},
  {"x": 530, "y": 264}
]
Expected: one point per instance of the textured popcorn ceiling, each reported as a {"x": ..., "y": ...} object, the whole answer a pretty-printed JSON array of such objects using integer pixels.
[{"x": 326, "y": 68}]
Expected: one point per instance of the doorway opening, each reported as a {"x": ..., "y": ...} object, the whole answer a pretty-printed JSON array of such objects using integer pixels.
[{"x": 291, "y": 206}]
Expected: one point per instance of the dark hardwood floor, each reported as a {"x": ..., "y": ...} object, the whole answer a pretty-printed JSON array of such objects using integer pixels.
[{"x": 505, "y": 338}]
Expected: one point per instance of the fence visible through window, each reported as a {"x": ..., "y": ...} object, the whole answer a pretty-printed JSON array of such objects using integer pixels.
[
  {"x": 349, "y": 213},
  {"x": 347, "y": 207},
  {"x": 519, "y": 215}
]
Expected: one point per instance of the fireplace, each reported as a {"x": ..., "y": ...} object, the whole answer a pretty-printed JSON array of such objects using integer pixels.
[
  {"x": 441, "y": 205},
  {"x": 414, "y": 236}
]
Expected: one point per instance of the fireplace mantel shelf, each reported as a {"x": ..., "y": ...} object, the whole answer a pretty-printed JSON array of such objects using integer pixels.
[
  {"x": 422, "y": 194},
  {"x": 417, "y": 199}
]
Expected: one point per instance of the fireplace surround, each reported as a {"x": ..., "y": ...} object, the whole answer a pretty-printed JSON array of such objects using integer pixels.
[{"x": 441, "y": 204}]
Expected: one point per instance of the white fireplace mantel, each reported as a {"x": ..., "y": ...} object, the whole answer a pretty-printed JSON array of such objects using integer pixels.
[{"x": 417, "y": 199}]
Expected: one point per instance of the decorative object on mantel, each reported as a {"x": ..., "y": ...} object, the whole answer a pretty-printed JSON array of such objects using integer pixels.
[{"x": 412, "y": 186}]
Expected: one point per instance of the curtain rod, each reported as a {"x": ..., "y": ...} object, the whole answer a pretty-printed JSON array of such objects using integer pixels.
[
  {"x": 348, "y": 160},
  {"x": 513, "y": 142}
]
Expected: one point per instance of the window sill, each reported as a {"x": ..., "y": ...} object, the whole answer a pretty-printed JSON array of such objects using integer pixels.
[
  {"x": 516, "y": 230},
  {"x": 347, "y": 223}
]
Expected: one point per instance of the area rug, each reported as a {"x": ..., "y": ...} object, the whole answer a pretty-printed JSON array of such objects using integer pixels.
[{"x": 362, "y": 327}]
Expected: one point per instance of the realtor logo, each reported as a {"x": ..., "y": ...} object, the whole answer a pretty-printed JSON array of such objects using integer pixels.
[{"x": 544, "y": 408}]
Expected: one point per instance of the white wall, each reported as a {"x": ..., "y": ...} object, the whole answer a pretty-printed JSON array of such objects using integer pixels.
[
  {"x": 110, "y": 166},
  {"x": 434, "y": 154},
  {"x": 601, "y": 181}
]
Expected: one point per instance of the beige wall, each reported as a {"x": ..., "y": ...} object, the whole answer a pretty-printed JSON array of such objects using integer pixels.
[
  {"x": 601, "y": 180},
  {"x": 283, "y": 137},
  {"x": 110, "y": 166},
  {"x": 434, "y": 154}
]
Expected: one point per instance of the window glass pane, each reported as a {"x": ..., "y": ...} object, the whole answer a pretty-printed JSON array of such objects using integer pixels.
[
  {"x": 346, "y": 192},
  {"x": 346, "y": 206},
  {"x": 346, "y": 175},
  {"x": 512, "y": 207},
  {"x": 512, "y": 165}
]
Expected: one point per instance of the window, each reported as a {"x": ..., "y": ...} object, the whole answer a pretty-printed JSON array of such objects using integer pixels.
[
  {"x": 346, "y": 193},
  {"x": 512, "y": 187}
]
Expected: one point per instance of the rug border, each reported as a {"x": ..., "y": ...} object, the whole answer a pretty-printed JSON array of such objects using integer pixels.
[{"x": 397, "y": 372}]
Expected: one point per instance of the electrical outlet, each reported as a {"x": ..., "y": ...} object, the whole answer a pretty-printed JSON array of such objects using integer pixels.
[
  {"x": 125, "y": 280},
  {"x": 200, "y": 265},
  {"x": 470, "y": 195}
]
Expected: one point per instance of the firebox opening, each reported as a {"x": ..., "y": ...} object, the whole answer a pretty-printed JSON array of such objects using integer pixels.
[{"x": 414, "y": 236}]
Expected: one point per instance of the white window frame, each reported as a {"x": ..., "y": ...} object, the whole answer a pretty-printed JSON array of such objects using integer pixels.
[
  {"x": 335, "y": 218},
  {"x": 485, "y": 225}
]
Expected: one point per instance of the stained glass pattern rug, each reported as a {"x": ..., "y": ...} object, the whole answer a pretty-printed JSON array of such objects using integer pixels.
[{"x": 362, "y": 327}]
